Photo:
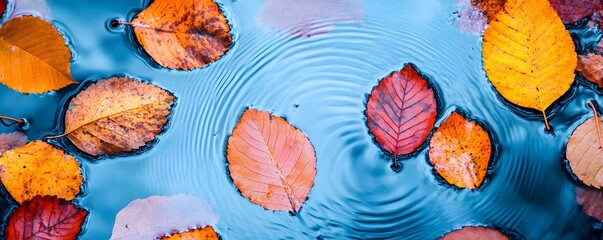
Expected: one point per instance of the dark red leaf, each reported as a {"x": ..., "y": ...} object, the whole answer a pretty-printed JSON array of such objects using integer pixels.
[
  {"x": 401, "y": 111},
  {"x": 2, "y": 7},
  {"x": 591, "y": 200},
  {"x": 572, "y": 11},
  {"x": 45, "y": 218}
]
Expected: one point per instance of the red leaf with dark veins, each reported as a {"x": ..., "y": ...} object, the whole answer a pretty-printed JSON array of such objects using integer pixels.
[
  {"x": 401, "y": 111},
  {"x": 571, "y": 11},
  {"x": 45, "y": 218}
]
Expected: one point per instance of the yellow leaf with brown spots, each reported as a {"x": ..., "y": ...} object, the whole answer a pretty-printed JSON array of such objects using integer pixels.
[
  {"x": 460, "y": 152},
  {"x": 33, "y": 56},
  {"x": 40, "y": 169},
  {"x": 184, "y": 34},
  {"x": 116, "y": 115},
  {"x": 528, "y": 54},
  {"x": 206, "y": 233}
]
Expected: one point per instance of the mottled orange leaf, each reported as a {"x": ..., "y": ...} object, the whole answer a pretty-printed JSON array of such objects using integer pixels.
[
  {"x": 591, "y": 201},
  {"x": 116, "y": 115},
  {"x": 308, "y": 18},
  {"x": 474, "y": 233},
  {"x": 34, "y": 57},
  {"x": 11, "y": 140},
  {"x": 271, "y": 162},
  {"x": 40, "y": 169},
  {"x": 158, "y": 216},
  {"x": 206, "y": 233},
  {"x": 572, "y": 11},
  {"x": 460, "y": 152},
  {"x": 584, "y": 153},
  {"x": 184, "y": 34},
  {"x": 45, "y": 218},
  {"x": 528, "y": 54},
  {"x": 591, "y": 67}
]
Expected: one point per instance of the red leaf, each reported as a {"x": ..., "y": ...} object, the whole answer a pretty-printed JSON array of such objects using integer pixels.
[
  {"x": 270, "y": 161},
  {"x": 591, "y": 200},
  {"x": 474, "y": 233},
  {"x": 2, "y": 7},
  {"x": 45, "y": 218},
  {"x": 572, "y": 11},
  {"x": 401, "y": 111}
]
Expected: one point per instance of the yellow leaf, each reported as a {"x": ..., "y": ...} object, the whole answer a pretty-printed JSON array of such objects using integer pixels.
[
  {"x": 40, "y": 169},
  {"x": 528, "y": 55},
  {"x": 33, "y": 56},
  {"x": 116, "y": 115},
  {"x": 206, "y": 233}
]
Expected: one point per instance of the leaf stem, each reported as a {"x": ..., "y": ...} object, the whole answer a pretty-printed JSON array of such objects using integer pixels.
[
  {"x": 597, "y": 123},
  {"x": 53, "y": 137},
  {"x": 546, "y": 122},
  {"x": 115, "y": 23},
  {"x": 18, "y": 121}
]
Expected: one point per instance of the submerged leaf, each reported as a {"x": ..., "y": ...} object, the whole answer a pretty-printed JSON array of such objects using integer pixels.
[
  {"x": 184, "y": 34},
  {"x": 585, "y": 155},
  {"x": 489, "y": 7},
  {"x": 206, "y": 233},
  {"x": 116, "y": 115},
  {"x": 45, "y": 218},
  {"x": 158, "y": 216},
  {"x": 572, "y": 11},
  {"x": 469, "y": 19},
  {"x": 460, "y": 152},
  {"x": 528, "y": 55},
  {"x": 33, "y": 56},
  {"x": 11, "y": 140},
  {"x": 271, "y": 162},
  {"x": 401, "y": 111},
  {"x": 474, "y": 233},
  {"x": 40, "y": 169},
  {"x": 591, "y": 201},
  {"x": 591, "y": 67}
]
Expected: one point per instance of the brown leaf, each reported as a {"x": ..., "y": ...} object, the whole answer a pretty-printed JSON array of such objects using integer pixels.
[
  {"x": 474, "y": 233},
  {"x": 116, "y": 115},
  {"x": 40, "y": 169},
  {"x": 591, "y": 67},
  {"x": 12, "y": 140},
  {"x": 185, "y": 34},
  {"x": 591, "y": 201},
  {"x": 585, "y": 155},
  {"x": 271, "y": 162}
]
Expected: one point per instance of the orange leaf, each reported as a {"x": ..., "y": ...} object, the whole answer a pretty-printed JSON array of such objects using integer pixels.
[
  {"x": 206, "y": 233},
  {"x": 11, "y": 140},
  {"x": 591, "y": 201},
  {"x": 460, "y": 152},
  {"x": 40, "y": 169},
  {"x": 474, "y": 233},
  {"x": 33, "y": 56},
  {"x": 271, "y": 162},
  {"x": 46, "y": 218},
  {"x": 585, "y": 155},
  {"x": 116, "y": 115},
  {"x": 591, "y": 67},
  {"x": 183, "y": 34}
]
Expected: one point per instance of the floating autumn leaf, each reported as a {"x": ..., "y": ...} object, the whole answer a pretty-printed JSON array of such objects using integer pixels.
[
  {"x": 571, "y": 11},
  {"x": 33, "y": 56},
  {"x": 12, "y": 140},
  {"x": 528, "y": 55},
  {"x": 489, "y": 7},
  {"x": 159, "y": 216},
  {"x": 591, "y": 67},
  {"x": 460, "y": 152},
  {"x": 584, "y": 152},
  {"x": 2, "y": 8},
  {"x": 116, "y": 115},
  {"x": 591, "y": 201},
  {"x": 206, "y": 233},
  {"x": 469, "y": 19},
  {"x": 474, "y": 233},
  {"x": 309, "y": 17},
  {"x": 401, "y": 111},
  {"x": 45, "y": 218},
  {"x": 40, "y": 169},
  {"x": 271, "y": 162},
  {"x": 184, "y": 34}
]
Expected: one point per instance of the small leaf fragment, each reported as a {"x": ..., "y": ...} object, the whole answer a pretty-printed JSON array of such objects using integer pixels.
[
  {"x": 40, "y": 169},
  {"x": 591, "y": 201},
  {"x": 585, "y": 155},
  {"x": 591, "y": 67},
  {"x": 116, "y": 115},
  {"x": 34, "y": 57},
  {"x": 206, "y": 233},
  {"x": 460, "y": 152},
  {"x": 45, "y": 218},
  {"x": 12, "y": 140},
  {"x": 271, "y": 162},
  {"x": 489, "y": 7},
  {"x": 474, "y": 233}
]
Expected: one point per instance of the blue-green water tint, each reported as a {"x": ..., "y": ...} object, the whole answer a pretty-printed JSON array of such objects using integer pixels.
[{"x": 320, "y": 84}]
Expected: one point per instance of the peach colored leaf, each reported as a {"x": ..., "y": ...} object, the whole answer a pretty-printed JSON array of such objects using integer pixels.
[
  {"x": 585, "y": 155},
  {"x": 271, "y": 162}
]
